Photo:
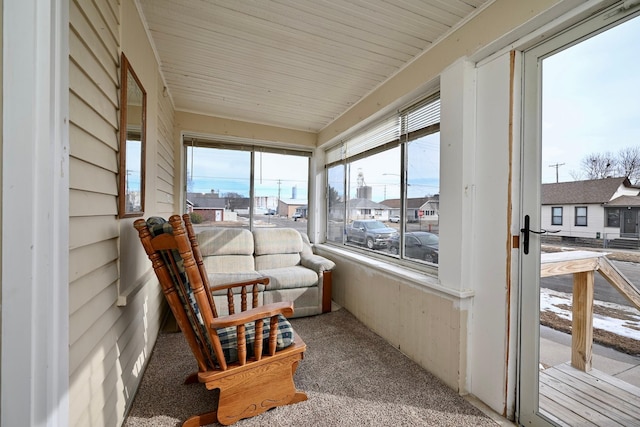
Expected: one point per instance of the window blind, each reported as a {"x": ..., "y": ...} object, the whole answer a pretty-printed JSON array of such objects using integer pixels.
[{"x": 419, "y": 119}]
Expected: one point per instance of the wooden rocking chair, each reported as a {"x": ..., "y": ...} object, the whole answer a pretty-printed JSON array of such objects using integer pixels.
[{"x": 252, "y": 374}]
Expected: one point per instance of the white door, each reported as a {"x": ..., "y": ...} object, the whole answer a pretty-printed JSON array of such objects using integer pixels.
[{"x": 556, "y": 139}]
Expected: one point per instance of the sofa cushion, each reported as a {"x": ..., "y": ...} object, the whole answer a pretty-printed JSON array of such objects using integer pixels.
[
  {"x": 227, "y": 250},
  {"x": 227, "y": 278},
  {"x": 290, "y": 277},
  {"x": 268, "y": 241},
  {"x": 225, "y": 241},
  {"x": 277, "y": 247}
]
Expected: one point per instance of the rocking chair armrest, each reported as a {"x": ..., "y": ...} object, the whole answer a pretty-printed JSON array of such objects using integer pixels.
[
  {"x": 285, "y": 308},
  {"x": 260, "y": 281}
]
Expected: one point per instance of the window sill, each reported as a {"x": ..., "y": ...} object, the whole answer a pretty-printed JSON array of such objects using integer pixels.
[{"x": 410, "y": 276}]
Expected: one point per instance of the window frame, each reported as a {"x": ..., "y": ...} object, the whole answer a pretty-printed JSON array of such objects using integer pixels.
[
  {"x": 427, "y": 109},
  {"x": 585, "y": 216},
  {"x": 554, "y": 217},
  {"x": 608, "y": 217},
  {"x": 254, "y": 147}
]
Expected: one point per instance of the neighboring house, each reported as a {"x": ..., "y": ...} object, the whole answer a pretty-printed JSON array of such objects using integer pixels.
[
  {"x": 208, "y": 205},
  {"x": 418, "y": 208},
  {"x": 367, "y": 209},
  {"x": 287, "y": 207},
  {"x": 599, "y": 208},
  {"x": 430, "y": 210}
]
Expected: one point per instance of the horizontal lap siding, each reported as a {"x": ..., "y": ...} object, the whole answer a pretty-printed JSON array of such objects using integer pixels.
[
  {"x": 109, "y": 345},
  {"x": 165, "y": 155},
  {"x": 97, "y": 392}
]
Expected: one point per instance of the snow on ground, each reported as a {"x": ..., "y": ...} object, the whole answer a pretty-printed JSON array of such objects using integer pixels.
[{"x": 551, "y": 300}]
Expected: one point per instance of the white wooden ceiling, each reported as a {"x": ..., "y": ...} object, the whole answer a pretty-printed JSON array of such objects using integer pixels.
[{"x": 297, "y": 64}]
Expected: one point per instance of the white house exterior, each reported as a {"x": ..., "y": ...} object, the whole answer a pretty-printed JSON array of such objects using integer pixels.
[{"x": 601, "y": 208}]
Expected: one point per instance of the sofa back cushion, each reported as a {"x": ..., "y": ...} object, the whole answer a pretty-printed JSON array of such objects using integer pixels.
[
  {"x": 276, "y": 247},
  {"x": 227, "y": 250}
]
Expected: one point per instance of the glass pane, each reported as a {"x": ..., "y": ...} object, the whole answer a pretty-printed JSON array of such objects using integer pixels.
[
  {"x": 335, "y": 214},
  {"x": 218, "y": 190},
  {"x": 280, "y": 191},
  {"x": 374, "y": 183},
  {"x": 423, "y": 198}
]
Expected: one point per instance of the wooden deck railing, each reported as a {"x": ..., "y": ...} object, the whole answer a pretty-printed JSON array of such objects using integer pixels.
[{"x": 583, "y": 265}]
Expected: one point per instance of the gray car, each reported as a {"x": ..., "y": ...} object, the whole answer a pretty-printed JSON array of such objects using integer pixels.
[
  {"x": 370, "y": 232},
  {"x": 417, "y": 245}
]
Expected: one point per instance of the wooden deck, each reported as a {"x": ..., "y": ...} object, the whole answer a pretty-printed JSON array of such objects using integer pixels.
[{"x": 571, "y": 397}]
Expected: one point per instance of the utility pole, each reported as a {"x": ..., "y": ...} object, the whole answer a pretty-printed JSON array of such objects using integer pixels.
[
  {"x": 278, "y": 207},
  {"x": 557, "y": 165}
]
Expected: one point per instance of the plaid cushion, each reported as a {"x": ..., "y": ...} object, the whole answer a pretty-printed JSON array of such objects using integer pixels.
[{"x": 228, "y": 336}]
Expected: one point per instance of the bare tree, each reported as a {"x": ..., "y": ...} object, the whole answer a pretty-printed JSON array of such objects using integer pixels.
[
  {"x": 576, "y": 175},
  {"x": 629, "y": 164},
  {"x": 599, "y": 165}
]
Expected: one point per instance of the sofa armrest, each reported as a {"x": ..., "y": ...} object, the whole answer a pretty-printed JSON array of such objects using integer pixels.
[{"x": 317, "y": 263}]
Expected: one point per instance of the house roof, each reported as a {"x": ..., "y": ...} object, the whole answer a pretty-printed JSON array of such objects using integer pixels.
[
  {"x": 625, "y": 201},
  {"x": 206, "y": 200},
  {"x": 294, "y": 202},
  {"x": 412, "y": 203},
  {"x": 592, "y": 191},
  {"x": 365, "y": 204}
]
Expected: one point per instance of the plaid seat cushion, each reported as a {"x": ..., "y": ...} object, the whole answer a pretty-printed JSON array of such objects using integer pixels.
[{"x": 227, "y": 336}]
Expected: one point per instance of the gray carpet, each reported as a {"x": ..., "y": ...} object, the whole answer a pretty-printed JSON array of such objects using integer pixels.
[{"x": 352, "y": 377}]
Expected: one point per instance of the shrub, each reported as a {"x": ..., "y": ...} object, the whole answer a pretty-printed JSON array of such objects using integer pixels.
[{"x": 196, "y": 218}]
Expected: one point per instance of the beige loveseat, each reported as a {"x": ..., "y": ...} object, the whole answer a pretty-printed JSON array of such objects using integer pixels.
[{"x": 284, "y": 255}]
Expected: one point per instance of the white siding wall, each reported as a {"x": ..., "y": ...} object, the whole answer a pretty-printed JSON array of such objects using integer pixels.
[
  {"x": 109, "y": 344},
  {"x": 595, "y": 222}
]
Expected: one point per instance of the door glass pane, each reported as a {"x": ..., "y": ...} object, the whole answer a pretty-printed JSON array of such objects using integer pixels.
[{"x": 590, "y": 169}]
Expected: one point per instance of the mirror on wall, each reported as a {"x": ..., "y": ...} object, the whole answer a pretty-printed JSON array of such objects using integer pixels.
[{"x": 133, "y": 99}]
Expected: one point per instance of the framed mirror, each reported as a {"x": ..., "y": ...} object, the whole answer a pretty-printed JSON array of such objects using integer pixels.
[{"x": 133, "y": 109}]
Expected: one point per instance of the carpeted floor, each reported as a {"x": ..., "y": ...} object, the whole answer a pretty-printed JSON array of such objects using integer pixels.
[{"x": 352, "y": 377}]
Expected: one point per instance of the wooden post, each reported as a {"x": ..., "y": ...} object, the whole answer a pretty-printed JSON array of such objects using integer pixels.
[
  {"x": 582, "y": 321},
  {"x": 326, "y": 292}
]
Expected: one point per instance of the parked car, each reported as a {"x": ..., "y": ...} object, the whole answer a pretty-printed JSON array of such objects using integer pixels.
[
  {"x": 370, "y": 232},
  {"x": 270, "y": 212},
  {"x": 418, "y": 245},
  {"x": 296, "y": 215},
  {"x": 394, "y": 218}
]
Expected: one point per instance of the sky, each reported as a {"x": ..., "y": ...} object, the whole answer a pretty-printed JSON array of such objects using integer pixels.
[
  {"x": 276, "y": 175},
  {"x": 228, "y": 171},
  {"x": 591, "y": 100}
]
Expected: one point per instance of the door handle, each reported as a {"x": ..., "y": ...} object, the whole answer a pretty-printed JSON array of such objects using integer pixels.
[{"x": 526, "y": 230}]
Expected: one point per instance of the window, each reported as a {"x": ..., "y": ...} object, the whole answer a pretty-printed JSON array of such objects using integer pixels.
[
  {"x": 613, "y": 217},
  {"x": 242, "y": 185},
  {"x": 556, "y": 215},
  {"x": 581, "y": 216},
  {"x": 390, "y": 173}
]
